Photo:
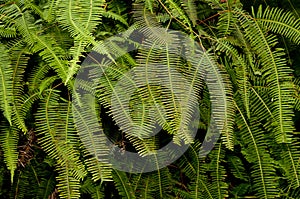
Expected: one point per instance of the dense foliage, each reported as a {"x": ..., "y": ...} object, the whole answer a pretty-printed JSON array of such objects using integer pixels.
[{"x": 253, "y": 43}]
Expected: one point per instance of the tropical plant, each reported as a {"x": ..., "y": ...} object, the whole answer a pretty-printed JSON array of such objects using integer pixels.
[{"x": 50, "y": 148}]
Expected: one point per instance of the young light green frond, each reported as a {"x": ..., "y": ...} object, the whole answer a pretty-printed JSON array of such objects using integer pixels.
[
  {"x": 49, "y": 10},
  {"x": 68, "y": 186},
  {"x": 6, "y": 84},
  {"x": 53, "y": 55},
  {"x": 8, "y": 142},
  {"x": 80, "y": 18},
  {"x": 19, "y": 62},
  {"x": 115, "y": 16},
  {"x": 150, "y": 4},
  {"x": 46, "y": 83},
  {"x": 80, "y": 24},
  {"x": 280, "y": 22},
  {"x": 76, "y": 52},
  {"x": 22, "y": 107},
  {"x": 8, "y": 32}
]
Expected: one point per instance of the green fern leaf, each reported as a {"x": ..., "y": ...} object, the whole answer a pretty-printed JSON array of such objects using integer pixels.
[
  {"x": 9, "y": 140},
  {"x": 280, "y": 22},
  {"x": 122, "y": 183},
  {"x": 6, "y": 85},
  {"x": 275, "y": 71},
  {"x": 262, "y": 171}
]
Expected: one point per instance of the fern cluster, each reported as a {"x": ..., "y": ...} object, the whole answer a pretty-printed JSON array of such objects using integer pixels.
[{"x": 52, "y": 148}]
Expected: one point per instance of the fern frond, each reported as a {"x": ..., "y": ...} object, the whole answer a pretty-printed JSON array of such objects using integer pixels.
[
  {"x": 227, "y": 20},
  {"x": 291, "y": 163},
  {"x": 19, "y": 62},
  {"x": 29, "y": 4},
  {"x": 49, "y": 10},
  {"x": 218, "y": 174},
  {"x": 58, "y": 138},
  {"x": 221, "y": 97},
  {"x": 76, "y": 53},
  {"x": 93, "y": 189},
  {"x": 6, "y": 84},
  {"x": 241, "y": 71},
  {"x": 195, "y": 169},
  {"x": 80, "y": 18},
  {"x": 262, "y": 169},
  {"x": 114, "y": 97},
  {"x": 114, "y": 16},
  {"x": 292, "y": 194},
  {"x": 44, "y": 44},
  {"x": 237, "y": 168},
  {"x": 178, "y": 12},
  {"x": 191, "y": 10},
  {"x": 122, "y": 184},
  {"x": 160, "y": 182},
  {"x": 93, "y": 138},
  {"x": 277, "y": 74},
  {"x": 47, "y": 185},
  {"x": 8, "y": 32},
  {"x": 281, "y": 22},
  {"x": 9, "y": 139},
  {"x": 68, "y": 186},
  {"x": 38, "y": 74},
  {"x": 143, "y": 17}
]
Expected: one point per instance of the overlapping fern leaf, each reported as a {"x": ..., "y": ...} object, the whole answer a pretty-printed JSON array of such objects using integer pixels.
[
  {"x": 44, "y": 44},
  {"x": 277, "y": 74},
  {"x": 263, "y": 168},
  {"x": 59, "y": 140}
]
